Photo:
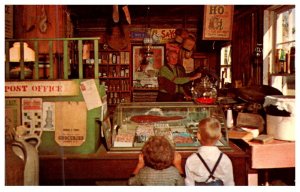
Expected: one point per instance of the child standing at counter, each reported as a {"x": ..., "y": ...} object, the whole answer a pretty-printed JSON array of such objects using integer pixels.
[
  {"x": 209, "y": 132},
  {"x": 155, "y": 165}
]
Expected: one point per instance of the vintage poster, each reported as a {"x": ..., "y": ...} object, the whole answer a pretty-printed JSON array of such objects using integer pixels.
[
  {"x": 146, "y": 66},
  {"x": 218, "y": 20},
  {"x": 70, "y": 123},
  {"x": 90, "y": 94},
  {"x": 48, "y": 122},
  {"x": 32, "y": 115},
  {"x": 12, "y": 113},
  {"x": 161, "y": 36}
]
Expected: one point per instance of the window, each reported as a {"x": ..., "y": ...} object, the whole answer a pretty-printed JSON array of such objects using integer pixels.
[
  {"x": 285, "y": 41},
  {"x": 279, "y": 47},
  {"x": 225, "y": 69}
]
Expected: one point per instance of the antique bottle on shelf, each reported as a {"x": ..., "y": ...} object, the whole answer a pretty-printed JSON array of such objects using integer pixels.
[
  {"x": 115, "y": 70},
  {"x": 126, "y": 72},
  {"x": 122, "y": 73},
  {"x": 282, "y": 61},
  {"x": 110, "y": 58},
  {"x": 118, "y": 59},
  {"x": 114, "y": 58}
]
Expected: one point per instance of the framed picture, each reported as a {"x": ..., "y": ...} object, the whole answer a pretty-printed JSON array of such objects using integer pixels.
[
  {"x": 146, "y": 65},
  {"x": 218, "y": 21}
]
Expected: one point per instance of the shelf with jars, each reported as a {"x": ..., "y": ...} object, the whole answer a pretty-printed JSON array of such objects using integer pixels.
[{"x": 114, "y": 71}]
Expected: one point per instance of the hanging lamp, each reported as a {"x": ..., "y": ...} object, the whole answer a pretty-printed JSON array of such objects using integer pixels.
[{"x": 148, "y": 41}]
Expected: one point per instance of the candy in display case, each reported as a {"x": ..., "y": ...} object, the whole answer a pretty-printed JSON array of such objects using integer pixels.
[{"x": 134, "y": 123}]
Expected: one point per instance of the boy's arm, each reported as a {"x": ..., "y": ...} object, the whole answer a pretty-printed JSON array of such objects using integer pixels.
[
  {"x": 140, "y": 165},
  {"x": 177, "y": 162}
]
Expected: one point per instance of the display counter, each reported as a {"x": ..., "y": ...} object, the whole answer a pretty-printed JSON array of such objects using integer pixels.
[
  {"x": 117, "y": 157},
  {"x": 134, "y": 123},
  {"x": 115, "y": 167}
]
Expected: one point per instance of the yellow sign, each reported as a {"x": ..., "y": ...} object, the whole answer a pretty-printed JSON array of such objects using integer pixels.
[{"x": 161, "y": 36}]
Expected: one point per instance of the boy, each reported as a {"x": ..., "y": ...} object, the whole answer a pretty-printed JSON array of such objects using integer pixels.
[
  {"x": 155, "y": 164},
  {"x": 209, "y": 132}
]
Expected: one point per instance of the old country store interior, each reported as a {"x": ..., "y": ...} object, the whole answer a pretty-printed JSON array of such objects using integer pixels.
[{"x": 81, "y": 87}]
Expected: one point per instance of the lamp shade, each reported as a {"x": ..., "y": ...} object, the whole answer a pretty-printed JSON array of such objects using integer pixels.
[{"x": 14, "y": 53}]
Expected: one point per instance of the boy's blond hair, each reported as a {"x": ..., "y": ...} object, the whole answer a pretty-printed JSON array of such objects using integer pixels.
[{"x": 209, "y": 129}]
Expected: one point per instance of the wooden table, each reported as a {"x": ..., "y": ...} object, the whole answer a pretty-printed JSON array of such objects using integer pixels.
[
  {"x": 275, "y": 154},
  {"x": 115, "y": 166}
]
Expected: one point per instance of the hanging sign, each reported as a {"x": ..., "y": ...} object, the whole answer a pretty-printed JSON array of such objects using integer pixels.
[
  {"x": 137, "y": 35},
  {"x": 218, "y": 21},
  {"x": 161, "y": 36}
]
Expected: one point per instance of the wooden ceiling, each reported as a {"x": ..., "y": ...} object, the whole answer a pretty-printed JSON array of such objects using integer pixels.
[
  {"x": 136, "y": 11},
  {"x": 140, "y": 14},
  {"x": 97, "y": 18}
]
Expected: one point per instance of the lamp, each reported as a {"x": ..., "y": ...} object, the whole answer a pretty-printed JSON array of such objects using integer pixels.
[
  {"x": 14, "y": 53},
  {"x": 148, "y": 43},
  {"x": 148, "y": 38},
  {"x": 15, "y": 57}
]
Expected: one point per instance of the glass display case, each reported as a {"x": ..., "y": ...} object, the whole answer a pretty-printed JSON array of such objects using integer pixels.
[{"x": 134, "y": 123}]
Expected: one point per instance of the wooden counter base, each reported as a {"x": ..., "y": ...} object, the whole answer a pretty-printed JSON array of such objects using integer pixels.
[{"x": 114, "y": 167}]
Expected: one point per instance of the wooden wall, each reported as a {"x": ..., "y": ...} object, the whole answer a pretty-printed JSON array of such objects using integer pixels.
[
  {"x": 247, "y": 32},
  {"x": 43, "y": 21},
  {"x": 89, "y": 27},
  {"x": 29, "y": 20}
]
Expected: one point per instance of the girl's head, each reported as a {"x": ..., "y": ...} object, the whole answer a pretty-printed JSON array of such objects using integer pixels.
[
  {"x": 158, "y": 153},
  {"x": 209, "y": 131}
]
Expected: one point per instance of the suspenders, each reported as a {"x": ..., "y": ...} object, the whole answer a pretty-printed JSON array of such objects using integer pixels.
[{"x": 211, "y": 172}]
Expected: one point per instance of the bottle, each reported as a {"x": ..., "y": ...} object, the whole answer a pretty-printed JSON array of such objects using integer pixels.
[
  {"x": 114, "y": 73},
  {"x": 114, "y": 58},
  {"x": 110, "y": 58},
  {"x": 229, "y": 119},
  {"x": 126, "y": 72},
  {"x": 282, "y": 60},
  {"x": 118, "y": 59},
  {"x": 122, "y": 72},
  {"x": 92, "y": 61}
]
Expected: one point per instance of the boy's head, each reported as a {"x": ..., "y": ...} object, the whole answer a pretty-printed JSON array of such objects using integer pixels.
[
  {"x": 209, "y": 131},
  {"x": 158, "y": 153}
]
